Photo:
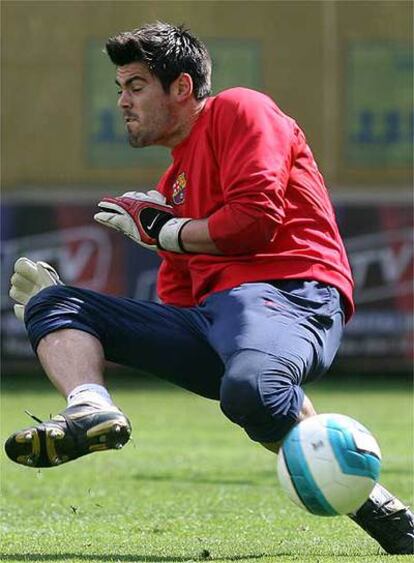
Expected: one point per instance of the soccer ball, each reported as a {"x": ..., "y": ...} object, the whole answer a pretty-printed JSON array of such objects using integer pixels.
[{"x": 328, "y": 464}]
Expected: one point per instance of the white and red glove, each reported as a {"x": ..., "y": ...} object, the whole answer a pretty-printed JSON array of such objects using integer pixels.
[
  {"x": 28, "y": 279},
  {"x": 146, "y": 218}
]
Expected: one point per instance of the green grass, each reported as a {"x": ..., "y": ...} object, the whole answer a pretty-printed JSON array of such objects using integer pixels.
[{"x": 191, "y": 486}]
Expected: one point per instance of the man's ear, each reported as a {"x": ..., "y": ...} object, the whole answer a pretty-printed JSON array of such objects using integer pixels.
[{"x": 182, "y": 87}]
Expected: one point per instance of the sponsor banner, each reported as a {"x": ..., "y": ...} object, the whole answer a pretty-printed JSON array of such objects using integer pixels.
[
  {"x": 378, "y": 237},
  {"x": 379, "y": 242},
  {"x": 84, "y": 253}
]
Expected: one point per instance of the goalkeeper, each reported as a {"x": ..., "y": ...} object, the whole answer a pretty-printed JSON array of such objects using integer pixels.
[{"x": 255, "y": 285}]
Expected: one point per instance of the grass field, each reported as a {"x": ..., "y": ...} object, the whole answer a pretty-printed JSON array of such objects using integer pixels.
[{"x": 191, "y": 486}]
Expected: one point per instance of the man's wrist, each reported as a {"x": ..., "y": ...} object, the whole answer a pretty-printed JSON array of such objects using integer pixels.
[{"x": 169, "y": 237}]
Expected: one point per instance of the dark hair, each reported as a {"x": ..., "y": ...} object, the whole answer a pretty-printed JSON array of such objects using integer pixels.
[{"x": 167, "y": 51}]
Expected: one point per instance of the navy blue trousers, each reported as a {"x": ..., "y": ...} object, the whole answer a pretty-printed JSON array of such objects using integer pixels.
[{"x": 251, "y": 347}]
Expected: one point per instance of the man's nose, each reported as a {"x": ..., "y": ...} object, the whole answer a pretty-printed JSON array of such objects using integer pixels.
[{"x": 124, "y": 100}]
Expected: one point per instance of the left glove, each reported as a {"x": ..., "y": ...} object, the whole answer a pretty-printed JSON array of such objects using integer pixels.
[
  {"x": 28, "y": 279},
  {"x": 146, "y": 218}
]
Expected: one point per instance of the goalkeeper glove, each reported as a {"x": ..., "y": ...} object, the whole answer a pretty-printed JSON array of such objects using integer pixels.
[
  {"x": 28, "y": 279},
  {"x": 146, "y": 218}
]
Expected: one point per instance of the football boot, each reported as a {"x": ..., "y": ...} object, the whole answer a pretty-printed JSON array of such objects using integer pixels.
[
  {"x": 388, "y": 521},
  {"x": 78, "y": 430}
]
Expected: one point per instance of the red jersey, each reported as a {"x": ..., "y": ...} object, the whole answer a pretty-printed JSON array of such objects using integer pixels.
[{"x": 246, "y": 167}]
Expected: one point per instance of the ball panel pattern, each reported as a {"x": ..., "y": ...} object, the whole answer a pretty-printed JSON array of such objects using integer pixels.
[
  {"x": 331, "y": 463},
  {"x": 302, "y": 479},
  {"x": 351, "y": 459},
  {"x": 284, "y": 477}
]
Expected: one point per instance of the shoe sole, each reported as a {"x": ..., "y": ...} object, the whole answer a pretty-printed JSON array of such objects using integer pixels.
[{"x": 50, "y": 445}]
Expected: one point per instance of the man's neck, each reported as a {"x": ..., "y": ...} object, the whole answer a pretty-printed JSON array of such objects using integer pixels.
[{"x": 186, "y": 120}]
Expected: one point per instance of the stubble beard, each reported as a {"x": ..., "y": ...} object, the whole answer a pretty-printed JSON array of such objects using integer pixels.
[
  {"x": 155, "y": 133},
  {"x": 136, "y": 141},
  {"x": 139, "y": 139}
]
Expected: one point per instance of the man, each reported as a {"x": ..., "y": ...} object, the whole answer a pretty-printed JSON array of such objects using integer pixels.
[{"x": 255, "y": 284}]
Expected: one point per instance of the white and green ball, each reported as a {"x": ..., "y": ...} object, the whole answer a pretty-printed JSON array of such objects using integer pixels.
[{"x": 328, "y": 464}]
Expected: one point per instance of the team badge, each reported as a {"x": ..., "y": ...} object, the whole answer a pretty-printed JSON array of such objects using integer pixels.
[{"x": 178, "y": 189}]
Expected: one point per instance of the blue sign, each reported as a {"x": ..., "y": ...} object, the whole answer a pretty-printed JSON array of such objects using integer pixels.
[{"x": 379, "y": 115}]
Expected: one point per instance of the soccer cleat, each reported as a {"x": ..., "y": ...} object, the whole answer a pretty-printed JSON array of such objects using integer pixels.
[
  {"x": 76, "y": 431},
  {"x": 388, "y": 521}
]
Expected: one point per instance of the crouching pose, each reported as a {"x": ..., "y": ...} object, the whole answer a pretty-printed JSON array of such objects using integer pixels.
[{"x": 255, "y": 285}]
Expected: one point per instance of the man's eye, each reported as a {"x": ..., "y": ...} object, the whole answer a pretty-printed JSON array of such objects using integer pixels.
[
  {"x": 119, "y": 92},
  {"x": 136, "y": 89}
]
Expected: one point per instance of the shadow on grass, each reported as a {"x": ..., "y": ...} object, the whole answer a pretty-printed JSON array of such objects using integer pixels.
[
  {"x": 131, "y": 558},
  {"x": 107, "y": 558}
]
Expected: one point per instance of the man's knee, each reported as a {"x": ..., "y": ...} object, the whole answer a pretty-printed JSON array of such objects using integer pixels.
[
  {"x": 259, "y": 394},
  {"x": 52, "y": 298},
  {"x": 239, "y": 396},
  {"x": 48, "y": 296},
  {"x": 55, "y": 308}
]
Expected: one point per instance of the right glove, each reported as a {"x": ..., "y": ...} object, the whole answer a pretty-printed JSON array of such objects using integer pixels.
[
  {"x": 28, "y": 279},
  {"x": 146, "y": 218}
]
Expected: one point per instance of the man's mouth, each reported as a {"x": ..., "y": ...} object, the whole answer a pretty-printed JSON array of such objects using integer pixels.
[{"x": 130, "y": 118}]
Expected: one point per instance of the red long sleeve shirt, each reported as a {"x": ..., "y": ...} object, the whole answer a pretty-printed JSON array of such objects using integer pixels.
[{"x": 246, "y": 167}]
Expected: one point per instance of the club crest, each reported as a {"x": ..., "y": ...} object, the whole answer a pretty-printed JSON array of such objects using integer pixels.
[{"x": 178, "y": 189}]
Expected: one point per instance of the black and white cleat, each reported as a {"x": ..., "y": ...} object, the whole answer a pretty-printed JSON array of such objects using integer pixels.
[{"x": 76, "y": 431}]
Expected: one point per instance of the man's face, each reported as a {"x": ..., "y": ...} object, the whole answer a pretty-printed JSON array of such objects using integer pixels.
[{"x": 147, "y": 110}]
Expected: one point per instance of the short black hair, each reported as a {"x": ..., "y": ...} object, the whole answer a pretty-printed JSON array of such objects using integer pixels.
[{"x": 167, "y": 51}]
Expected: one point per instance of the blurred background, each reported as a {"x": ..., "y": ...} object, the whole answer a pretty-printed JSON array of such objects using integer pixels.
[{"x": 342, "y": 69}]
